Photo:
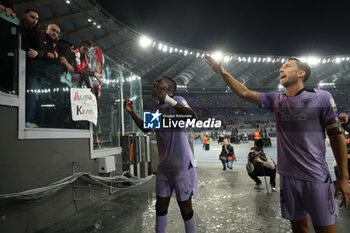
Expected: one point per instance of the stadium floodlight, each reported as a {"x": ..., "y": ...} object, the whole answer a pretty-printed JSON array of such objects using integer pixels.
[
  {"x": 226, "y": 59},
  {"x": 160, "y": 46},
  {"x": 185, "y": 52},
  {"x": 68, "y": 2},
  {"x": 303, "y": 59},
  {"x": 180, "y": 50},
  {"x": 313, "y": 60},
  {"x": 249, "y": 60},
  {"x": 283, "y": 60},
  {"x": 217, "y": 55},
  {"x": 89, "y": 20},
  {"x": 326, "y": 84},
  {"x": 98, "y": 26},
  {"x": 165, "y": 48},
  {"x": 145, "y": 41},
  {"x": 171, "y": 50},
  {"x": 175, "y": 49},
  {"x": 94, "y": 23},
  {"x": 337, "y": 60}
]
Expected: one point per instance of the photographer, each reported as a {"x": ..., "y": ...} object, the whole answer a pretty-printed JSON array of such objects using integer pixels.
[
  {"x": 345, "y": 123},
  {"x": 259, "y": 164}
]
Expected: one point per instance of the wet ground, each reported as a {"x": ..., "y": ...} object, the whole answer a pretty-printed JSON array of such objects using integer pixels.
[{"x": 227, "y": 202}]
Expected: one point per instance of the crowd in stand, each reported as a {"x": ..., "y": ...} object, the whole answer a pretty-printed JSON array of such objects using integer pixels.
[{"x": 342, "y": 98}]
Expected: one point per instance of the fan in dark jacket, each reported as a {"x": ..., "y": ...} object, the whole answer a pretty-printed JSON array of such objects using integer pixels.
[{"x": 227, "y": 155}]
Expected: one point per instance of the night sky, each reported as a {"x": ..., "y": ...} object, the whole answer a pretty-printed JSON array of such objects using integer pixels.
[{"x": 261, "y": 27}]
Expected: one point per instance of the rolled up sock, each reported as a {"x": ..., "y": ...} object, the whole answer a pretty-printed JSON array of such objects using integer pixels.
[
  {"x": 190, "y": 225},
  {"x": 161, "y": 223}
]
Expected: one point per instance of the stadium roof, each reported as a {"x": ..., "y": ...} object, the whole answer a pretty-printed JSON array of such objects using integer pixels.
[{"x": 86, "y": 19}]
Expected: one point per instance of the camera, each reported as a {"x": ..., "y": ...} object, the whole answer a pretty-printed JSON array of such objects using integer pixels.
[{"x": 253, "y": 155}]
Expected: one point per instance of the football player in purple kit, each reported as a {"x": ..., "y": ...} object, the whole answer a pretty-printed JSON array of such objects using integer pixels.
[
  {"x": 302, "y": 117},
  {"x": 176, "y": 172}
]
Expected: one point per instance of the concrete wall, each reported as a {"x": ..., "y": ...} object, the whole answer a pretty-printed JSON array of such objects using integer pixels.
[{"x": 28, "y": 164}]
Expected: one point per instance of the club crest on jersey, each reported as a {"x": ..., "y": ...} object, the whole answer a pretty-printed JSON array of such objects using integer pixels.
[{"x": 305, "y": 102}]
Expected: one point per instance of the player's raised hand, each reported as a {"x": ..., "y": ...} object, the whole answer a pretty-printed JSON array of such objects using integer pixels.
[
  {"x": 159, "y": 92},
  {"x": 216, "y": 66},
  {"x": 128, "y": 105}
]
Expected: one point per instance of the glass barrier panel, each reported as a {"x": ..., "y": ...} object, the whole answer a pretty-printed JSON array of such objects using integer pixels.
[
  {"x": 48, "y": 96},
  {"x": 108, "y": 130},
  {"x": 9, "y": 54},
  {"x": 132, "y": 90}
]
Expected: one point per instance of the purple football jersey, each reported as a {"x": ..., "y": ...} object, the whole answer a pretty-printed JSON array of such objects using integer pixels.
[
  {"x": 300, "y": 127},
  {"x": 174, "y": 148}
]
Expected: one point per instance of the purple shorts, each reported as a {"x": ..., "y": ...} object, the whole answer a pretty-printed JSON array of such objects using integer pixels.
[
  {"x": 300, "y": 198},
  {"x": 182, "y": 182}
]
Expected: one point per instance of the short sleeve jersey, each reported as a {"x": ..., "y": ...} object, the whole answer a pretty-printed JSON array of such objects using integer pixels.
[
  {"x": 300, "y": 127},
  {"x": 174, "y": 148}
]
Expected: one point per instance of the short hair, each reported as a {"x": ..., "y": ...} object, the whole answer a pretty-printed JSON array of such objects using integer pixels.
[
  {"x": 85, "y": 43},
  {"x": 302, "y": 66},
  {"x": 29, "y": 10},
  {"x": 50, "y": 24},
  {"x": 59, "y": 32},
  {"x": 252, "y": 148},
  {"x": 171, "y": 82}
]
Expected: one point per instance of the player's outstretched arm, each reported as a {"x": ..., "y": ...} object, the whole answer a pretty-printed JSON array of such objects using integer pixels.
[
  {"x": 237, "y": 87},
  {"x": 129, "y": 107},
  {"x": 339, "y": 150}
]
